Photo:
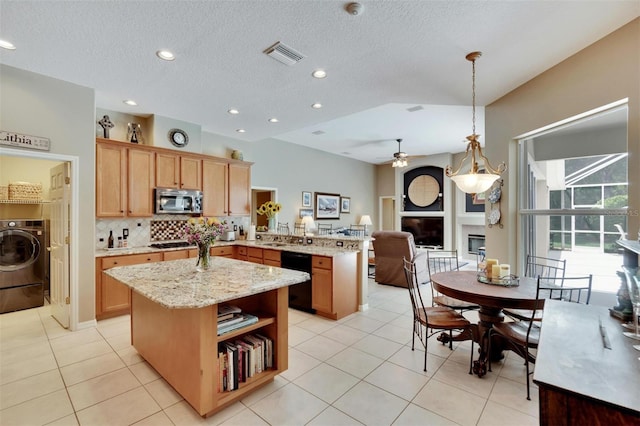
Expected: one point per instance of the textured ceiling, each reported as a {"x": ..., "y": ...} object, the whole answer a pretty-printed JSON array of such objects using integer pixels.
[{"x": 394, "y": 56}]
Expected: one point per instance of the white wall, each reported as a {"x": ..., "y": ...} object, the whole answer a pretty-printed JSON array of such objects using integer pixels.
[{"x": 65, "y": 113}]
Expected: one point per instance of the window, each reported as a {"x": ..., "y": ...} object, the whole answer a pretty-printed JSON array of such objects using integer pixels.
[{"x": 574, "y": 192}]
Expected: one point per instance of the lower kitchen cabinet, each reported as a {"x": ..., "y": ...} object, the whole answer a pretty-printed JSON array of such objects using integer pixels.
[
  {"x": 224, "y": 251},
  {"x": 179, "y": 254},
  {"x": 113, "y": 298},
  {"x": 334, "y": 285},
  {"x": 271, "y": 257}
]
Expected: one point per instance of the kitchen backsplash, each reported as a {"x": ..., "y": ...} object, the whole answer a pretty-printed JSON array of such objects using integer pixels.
[{"x": 143, "y": 231}]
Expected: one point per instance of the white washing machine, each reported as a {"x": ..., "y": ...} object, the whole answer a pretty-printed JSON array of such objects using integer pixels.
[{"x": 23, "y": 263}]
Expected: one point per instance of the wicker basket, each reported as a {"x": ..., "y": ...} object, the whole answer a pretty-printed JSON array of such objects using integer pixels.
[
  {"x": 4, "y": 192},
  {"x": 25, "y": 191}
]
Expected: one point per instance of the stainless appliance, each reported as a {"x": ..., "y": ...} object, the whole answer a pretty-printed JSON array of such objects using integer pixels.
[
  {"x": 228, "y": 236},
  {"x": 23, "y": 264},
  {"x": 299, "y": 294},
  {"x": 178, "y": 201}
]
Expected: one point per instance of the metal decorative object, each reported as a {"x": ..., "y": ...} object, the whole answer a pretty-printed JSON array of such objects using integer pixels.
[
  {"x": 134, "y": 133},
  {"x": 106, "y": 125}
]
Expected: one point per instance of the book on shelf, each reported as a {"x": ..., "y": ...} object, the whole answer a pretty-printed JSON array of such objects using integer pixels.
[
  {"x": 227, "y": 311},
  {"x": 242, "y": 359},
  {"x": 246, "y": 320}
]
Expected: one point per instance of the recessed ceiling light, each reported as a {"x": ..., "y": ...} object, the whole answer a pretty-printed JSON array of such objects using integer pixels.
[
  {"x": 273, "y": 120},
  {"x": 319, "y": 74},
  {"x": 316, "y": 105},
  {"x": 233, "y": 111},
  {"x": 6, "y": 45},
  {"x": 130, "y": 102},
  {"x": 240, "y": 130},
  {"x": 165, "y": 55}
]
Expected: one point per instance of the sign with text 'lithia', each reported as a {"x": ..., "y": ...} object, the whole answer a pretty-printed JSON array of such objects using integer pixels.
[{"x": 24, "y": 141}]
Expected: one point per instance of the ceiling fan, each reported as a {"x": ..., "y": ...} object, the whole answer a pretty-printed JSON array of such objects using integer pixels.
[{"x": 400, "y": 158}]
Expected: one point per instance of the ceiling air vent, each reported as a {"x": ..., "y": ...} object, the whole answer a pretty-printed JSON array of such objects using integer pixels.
[
  {"x": 415, "y": 108},
  {"x": 283, "y": 53}
]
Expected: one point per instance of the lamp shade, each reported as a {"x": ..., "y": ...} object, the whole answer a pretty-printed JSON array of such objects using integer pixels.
[
  {"x": 308, "y": 222},
  {"x": 474, "y": 183},
  {"x": 365, "y": 219}
]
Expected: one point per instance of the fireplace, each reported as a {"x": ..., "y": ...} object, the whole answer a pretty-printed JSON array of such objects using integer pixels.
[
  {"x": 475, "y": 241},
  {"x": 427, "y": 231}
]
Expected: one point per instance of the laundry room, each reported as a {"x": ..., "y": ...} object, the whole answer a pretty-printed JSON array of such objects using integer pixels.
[{"x": 25, "y": 217}]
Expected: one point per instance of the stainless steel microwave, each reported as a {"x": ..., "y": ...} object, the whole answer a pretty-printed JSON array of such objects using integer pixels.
[{"x": 178, "y": 201}]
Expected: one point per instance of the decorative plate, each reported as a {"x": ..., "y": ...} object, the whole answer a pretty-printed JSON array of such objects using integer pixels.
[
  {"x": 494, "y": 216},
  {"x": 423, "y": 190},
  {"x": 494, "y": 195},
  {"x": 178, "y": 137}
]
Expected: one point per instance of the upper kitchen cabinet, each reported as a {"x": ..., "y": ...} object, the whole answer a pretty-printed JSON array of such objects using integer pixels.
[
  {"x": 178, "y": 171},
  {"x": 226, "y": 188},
  {"x": 124, "y": 180}
]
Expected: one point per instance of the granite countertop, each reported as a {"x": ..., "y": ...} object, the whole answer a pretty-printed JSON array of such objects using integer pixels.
[
  {"x": 176, "y": 284},
  {"x": 320, "y": 250}
]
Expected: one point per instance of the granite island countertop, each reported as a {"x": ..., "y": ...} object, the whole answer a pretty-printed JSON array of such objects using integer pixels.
[{"x": 176, "y": 284}]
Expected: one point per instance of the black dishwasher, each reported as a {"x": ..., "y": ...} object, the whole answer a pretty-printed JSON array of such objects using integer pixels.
[{"x": 299, "y": 294}]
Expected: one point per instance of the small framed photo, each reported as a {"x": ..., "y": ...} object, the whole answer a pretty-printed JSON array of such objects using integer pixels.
[
  {"x": 327, "y": 206},
  {"x": 479, "y": 198},
  {"x": 306, "y": 212},
  {"x": 306, "y": 199},
  {"x": 345, "y": 204}
]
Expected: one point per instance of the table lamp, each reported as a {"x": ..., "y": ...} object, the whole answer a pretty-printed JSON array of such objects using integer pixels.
[
  {"x": 365, "y": 220},
  {"x": 307, "y": 221}
]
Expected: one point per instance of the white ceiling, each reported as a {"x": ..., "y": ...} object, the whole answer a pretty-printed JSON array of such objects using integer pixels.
[{"x": 394, "y": 56}]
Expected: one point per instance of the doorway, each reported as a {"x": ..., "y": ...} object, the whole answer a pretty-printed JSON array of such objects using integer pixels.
[
  {"x": 260, "y": 196},
  {"x": 68, "y": 315},
  {"x": 387, "y": 214}
]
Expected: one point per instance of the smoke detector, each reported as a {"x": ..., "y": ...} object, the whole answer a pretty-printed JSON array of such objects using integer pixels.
[{"x": 355, "y": 8}]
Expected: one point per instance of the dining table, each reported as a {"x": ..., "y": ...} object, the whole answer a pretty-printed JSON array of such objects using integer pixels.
[{"x": 492, "y": 299}]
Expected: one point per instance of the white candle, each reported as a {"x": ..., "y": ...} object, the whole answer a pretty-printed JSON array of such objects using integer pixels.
[
  {"x": 489, "y": 265},
  {"x": 495, "y": 271},
  {"x": 505, "y": 270}
]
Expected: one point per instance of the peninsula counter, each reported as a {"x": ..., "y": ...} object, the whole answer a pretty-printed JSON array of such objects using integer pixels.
[{"x": 174, "y": 311}]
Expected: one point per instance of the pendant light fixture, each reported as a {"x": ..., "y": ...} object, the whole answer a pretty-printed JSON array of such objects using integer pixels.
[
  {"x": 474, "y": 182},
  {"x": 399, "y": 158}
]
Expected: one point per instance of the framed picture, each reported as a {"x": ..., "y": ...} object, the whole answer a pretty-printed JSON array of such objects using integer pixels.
[
  {"x": 306, "y": 212},
  {"x": 327, "y": 206},
  {"x": 479, "y": 198},
  {"x": 306, "y": 199},
  {"x": 345, "y": 204}
]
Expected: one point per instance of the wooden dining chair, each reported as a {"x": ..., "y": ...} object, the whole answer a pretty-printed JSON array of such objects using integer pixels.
[
  {"x": 437, "y": 318},
  {"x": 538, "y": 266},
  {"x": 521, "y": 336},
  {"x": 444, "y": 261}
]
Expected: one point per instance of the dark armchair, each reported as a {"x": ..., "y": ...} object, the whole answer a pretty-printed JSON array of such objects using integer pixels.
[{"x": 390, "y": 248}]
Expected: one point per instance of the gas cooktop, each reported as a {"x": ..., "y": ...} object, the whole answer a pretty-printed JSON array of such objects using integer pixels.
[{"x": 172, "y": 244}]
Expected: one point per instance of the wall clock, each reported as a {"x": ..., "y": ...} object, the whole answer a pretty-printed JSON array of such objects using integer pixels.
[{"x": 178, "y": 137}]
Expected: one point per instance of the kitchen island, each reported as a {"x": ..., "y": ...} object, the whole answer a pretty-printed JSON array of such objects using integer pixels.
[{"x": 174, "y": 318}]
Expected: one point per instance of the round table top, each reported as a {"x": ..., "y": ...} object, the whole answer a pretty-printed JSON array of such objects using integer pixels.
[{"x": 464, "y": 285}]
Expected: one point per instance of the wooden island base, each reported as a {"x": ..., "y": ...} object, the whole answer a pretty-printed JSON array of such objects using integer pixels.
[{"x": 182, "y": 345}]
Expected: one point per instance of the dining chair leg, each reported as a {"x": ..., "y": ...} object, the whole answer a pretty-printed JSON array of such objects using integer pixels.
[
  {"x": 527, "y": 364},
  {"x": 471, "y": 360},
  {"x": 488, "y": 347}
]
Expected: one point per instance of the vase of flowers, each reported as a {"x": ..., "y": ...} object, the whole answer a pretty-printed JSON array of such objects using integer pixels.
[
  {"x": 202, "y": 232},
  {"x": 269, "y": 209}
]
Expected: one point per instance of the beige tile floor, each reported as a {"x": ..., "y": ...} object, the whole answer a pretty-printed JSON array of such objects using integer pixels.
[{"x": 359, "y": 370}]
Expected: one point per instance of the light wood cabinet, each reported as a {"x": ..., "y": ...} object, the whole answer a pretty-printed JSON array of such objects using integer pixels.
[
  {"x": 179, "y": 254},
  {"x": 113, "y": 298},
  {"x": 239, "y": 189},
  {"x": 334, "y": 289},
  {"x": 241, "y": 253},
  {"x": 190, "y": 363},
  {"x": 271, "y": 257},
  {"x": 111, "y": 180},
  {"x": 124, "y": 181},
  {"x": 254, "y": 254},
  {"x": 178, "y": 171},
  {"x": 141, "y": 181},
  {"x": 224, "y": 251},
  {"x": 226, "y": 188}
]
